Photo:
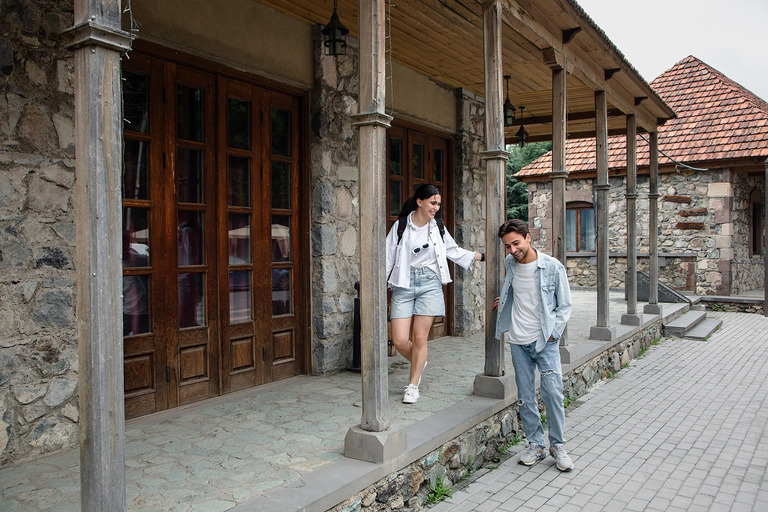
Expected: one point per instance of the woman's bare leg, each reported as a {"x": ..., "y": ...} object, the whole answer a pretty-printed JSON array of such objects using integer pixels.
[
  {"x": 418, "y": 352},
  {"x": 401, "y": 336}
]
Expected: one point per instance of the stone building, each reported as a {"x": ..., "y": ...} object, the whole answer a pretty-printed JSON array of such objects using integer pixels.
[
  {"x": 189, "y": 191},
  {"x": 712, "y": 168}
]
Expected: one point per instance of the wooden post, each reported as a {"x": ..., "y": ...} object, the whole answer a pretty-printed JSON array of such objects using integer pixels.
[
  {"x": 559, "y": 173},
  {"x": 631, "y": 317},
  {"x": 372, "y": 156},
  {"x": 373, "y": 440},
  {"x": 493, "y": 383},
  {"x": 98, "y": 42},
  {"x": 653, "y": 307},
  {"x": 765, "y": 242},
  {"x": 603, "y": 330}
]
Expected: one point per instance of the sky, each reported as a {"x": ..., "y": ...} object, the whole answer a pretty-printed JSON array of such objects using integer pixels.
[{"x": 730, "y": 36}]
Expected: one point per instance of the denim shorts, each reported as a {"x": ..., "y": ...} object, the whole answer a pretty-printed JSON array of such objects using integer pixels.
[{"x": 424, "y": 297}]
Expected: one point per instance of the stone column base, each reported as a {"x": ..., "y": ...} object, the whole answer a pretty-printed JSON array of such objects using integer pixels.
[
  {"x": 493, "y": 387},
  {"x": 653, "y": 309},
  {"x": 376, "y": 447},
  {"x": 628, "y": 319},
  {"x": 602, "y": 333}
]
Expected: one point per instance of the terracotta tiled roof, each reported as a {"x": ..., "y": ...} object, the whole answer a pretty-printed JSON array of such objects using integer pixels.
[{"x": 717, "y": 119}]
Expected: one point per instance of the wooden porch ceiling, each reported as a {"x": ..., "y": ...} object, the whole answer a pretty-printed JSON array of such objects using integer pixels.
[{"x": 443, "y": 39}]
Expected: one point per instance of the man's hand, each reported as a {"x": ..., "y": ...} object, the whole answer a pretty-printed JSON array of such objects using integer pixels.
[{"x": 496, "y": 303}]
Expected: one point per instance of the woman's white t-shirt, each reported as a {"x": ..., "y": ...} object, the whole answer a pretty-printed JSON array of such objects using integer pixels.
[
  {"x": 426, "y": 256},
  {"x": 526, "y": 323}
]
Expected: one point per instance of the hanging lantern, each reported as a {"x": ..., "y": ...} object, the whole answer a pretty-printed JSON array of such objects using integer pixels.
[
  {"x": 509, "y": 109},
  {"x": 335, "y": 34},
  {"x": 522, "y": 135}
]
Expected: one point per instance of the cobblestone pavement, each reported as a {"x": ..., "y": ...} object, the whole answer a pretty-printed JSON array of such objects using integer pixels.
[{"x": 684, "y": 427}]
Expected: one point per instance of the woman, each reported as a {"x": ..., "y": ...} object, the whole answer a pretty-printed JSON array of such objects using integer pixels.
[{"x": 417, "y": 269}]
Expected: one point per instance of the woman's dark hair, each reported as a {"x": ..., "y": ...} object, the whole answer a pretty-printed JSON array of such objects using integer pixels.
[
  {"x": 514, "y": 226},
  {"x": 424, "y": 191}
]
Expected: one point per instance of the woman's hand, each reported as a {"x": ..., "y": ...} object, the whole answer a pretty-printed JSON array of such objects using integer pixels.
[{"x": 496, "y": 303}]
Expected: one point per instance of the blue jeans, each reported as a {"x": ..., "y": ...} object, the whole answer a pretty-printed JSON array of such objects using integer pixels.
[{"x": 525, "y": 359}]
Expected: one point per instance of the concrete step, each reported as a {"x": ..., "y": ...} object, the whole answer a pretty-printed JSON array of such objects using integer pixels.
[
  {"x": 685, "y": 323},
  {"x": 672, "y": 312},
  {"x": 704, "y": 329}
]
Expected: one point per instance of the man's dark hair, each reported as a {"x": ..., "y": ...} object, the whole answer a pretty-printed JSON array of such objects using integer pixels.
[{"x": 514, "y": 226}]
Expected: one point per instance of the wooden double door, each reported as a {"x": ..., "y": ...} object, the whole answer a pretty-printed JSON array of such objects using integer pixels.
[{"x": 212, "y": 302}]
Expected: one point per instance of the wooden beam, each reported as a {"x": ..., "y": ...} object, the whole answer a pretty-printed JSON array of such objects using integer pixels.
[{"x": 610, "y": 72}]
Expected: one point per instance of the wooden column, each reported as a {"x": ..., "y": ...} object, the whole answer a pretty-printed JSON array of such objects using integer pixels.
[
  {"x": 98, "y": 42},
  {"x": 493, "y": 383},
  {"x": 373, "y": 440},
  {"x": 765, "y": 242},
  {"x": 603, "y": 330},
  {"x": 653, "y": 307},
  {"x": 631, "y": 317},
  {"x": 559, "y": 173}
]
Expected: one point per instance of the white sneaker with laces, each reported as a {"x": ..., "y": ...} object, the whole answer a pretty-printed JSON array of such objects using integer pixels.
[
  {"x": 411, "y": 394},
  {"x": 532, "y": 455},
  {"x": 562, "y": 460}
]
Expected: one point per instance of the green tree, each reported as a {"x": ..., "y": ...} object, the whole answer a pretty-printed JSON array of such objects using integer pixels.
[{"x": 517, "y": 191}]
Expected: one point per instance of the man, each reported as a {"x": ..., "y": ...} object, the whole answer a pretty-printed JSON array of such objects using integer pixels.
[{"x": 534, "y": 306}]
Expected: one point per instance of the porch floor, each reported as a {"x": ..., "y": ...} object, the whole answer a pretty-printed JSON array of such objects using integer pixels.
[{"x": 227, "y": 452}]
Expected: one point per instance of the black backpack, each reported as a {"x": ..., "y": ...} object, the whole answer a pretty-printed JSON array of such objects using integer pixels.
[{"x": 402, "y": 222}]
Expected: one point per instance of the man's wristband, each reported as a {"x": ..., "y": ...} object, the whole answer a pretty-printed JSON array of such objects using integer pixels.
[{"x": 482, "y": 256}]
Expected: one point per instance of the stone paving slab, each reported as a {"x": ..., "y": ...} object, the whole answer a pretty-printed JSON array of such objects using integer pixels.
[{"x": 683, "y": 428}]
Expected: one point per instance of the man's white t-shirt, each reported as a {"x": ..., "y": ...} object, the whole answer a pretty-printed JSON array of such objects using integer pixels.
[{"x": 526, "y": 322}]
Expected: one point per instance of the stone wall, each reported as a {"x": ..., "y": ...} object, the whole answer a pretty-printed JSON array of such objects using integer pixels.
[
  {"x": 675, "y": 270},
  {"x": 469, "y": 230},
  {"x": 747, "y": 270},
  {"x": 38, "y": 332},
  {"x": 335, "y": 206},
  {"x": 454, "y": 461},
  {"x": 715, "y": 201}
]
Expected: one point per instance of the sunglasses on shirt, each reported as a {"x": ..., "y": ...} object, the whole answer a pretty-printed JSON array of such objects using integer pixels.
[{"x": 417, "y": 250}]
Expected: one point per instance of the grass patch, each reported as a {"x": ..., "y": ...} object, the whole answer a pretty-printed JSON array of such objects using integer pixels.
[
  {"x": 438, "y": 492},
  {"x": 543, "y": 420},
  {"x": 569, "y": 400}
]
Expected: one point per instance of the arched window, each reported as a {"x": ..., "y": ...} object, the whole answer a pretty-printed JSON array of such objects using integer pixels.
[{"x": 580, "y": 227}]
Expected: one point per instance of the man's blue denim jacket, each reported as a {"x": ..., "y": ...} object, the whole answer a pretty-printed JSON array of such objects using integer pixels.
[{"x": 556, "y": 303}]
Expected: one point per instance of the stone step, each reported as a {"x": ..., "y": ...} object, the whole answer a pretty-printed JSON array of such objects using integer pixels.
[
  {"x": 704, "y": 329},
  {"x": 685, "y": 323}
]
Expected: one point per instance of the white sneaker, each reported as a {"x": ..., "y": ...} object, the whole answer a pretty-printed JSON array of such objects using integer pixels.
[
  {"x": 562, "y": 460},
  {"x": 411, "y": 394}
]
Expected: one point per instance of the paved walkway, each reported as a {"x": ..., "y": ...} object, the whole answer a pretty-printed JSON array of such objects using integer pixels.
[{"x": 685, "y": 427}]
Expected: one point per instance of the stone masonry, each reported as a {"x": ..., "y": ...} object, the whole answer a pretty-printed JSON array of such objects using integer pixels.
[
  {"x": 38, "y": 332},
  {"x": 704, "y": 219}
]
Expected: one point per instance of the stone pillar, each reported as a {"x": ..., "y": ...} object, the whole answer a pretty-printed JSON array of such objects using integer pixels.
[
  {"x": 98, "y": 43},
  {"x": 631, "y": 317},
  {"x": 603, "y": 329},
  {"x": 653, "y": 307},
  {"x": 493, "y": 382},
  {"x": 373, "y": 440},
  {"x": 559, "y": 173}
]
